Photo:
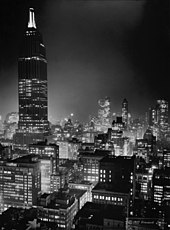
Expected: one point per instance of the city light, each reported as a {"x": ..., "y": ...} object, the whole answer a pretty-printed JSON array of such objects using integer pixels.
[{"x": 110, "y": 171}]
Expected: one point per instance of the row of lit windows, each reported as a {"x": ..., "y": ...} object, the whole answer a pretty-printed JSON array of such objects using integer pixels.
[
  {"x": 91, "y": 170},
  {"x": 119, "y": 199},
  {"x": 91, "y": 178}
]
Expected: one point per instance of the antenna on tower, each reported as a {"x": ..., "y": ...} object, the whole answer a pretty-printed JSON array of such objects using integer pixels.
[{"x": 31, "y": 22}]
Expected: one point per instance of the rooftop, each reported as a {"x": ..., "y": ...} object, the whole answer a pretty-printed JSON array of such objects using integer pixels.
[
  {"x": 118, "y": 187},
  {"x": 85, "y": 182},
  {"x": 96, "y": 213},
  {"x": 58, "y": 200},
  {"x": 28, "y": 159},
  {"x": 119, "y": 159},
  {"x": 97, "y": 153}
]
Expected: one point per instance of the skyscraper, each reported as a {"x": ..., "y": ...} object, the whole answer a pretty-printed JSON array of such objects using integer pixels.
[
  {"x": 32, "y": 86},
  {"x": 162, "y": 115},
  {"x": 125, "y": 112},
  {"x": 158, "y": 119},
  {"x": 104, "y": 115}
]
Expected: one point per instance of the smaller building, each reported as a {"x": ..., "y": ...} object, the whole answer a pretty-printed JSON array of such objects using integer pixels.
[
  {"x": 21, "y": 218},
  {"x": 20, "y": 182},
  {"x": 59, "y": 207},
  {"x": 59, "y": 179},
  {"x": 81, "y": 196},
  {"x": 48, "y": 155},
  {"x": 90, "y": 163},
  {"x": 143, "y": 180},
  {"x": 83, "y": 185},
  {"x": 142, "y": 223}
]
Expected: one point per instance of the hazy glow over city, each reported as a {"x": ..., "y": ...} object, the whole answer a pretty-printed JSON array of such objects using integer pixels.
[
  {"x": 84, "y": 115},
  {"x": 94, "y": 48}
]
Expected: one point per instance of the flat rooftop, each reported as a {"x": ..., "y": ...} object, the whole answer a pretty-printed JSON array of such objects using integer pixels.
[
  {"x": 118, "y": 187},
  {"x": 28, "y": 159}
]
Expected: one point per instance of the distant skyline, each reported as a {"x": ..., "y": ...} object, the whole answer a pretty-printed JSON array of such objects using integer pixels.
[{"x": 94, "y": 49}]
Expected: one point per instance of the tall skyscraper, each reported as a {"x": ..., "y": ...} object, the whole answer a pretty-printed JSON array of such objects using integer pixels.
[
  {"x": 125, "y": 112},
  {"x": 32, "y": 86},
  {"x": 158, "y": 119},
  {"x": 162, "y": 115},
  {"x": 104, "y": 115}
]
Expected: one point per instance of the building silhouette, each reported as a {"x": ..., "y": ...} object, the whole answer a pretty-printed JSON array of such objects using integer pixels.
[{"x": 32, "y": 87}]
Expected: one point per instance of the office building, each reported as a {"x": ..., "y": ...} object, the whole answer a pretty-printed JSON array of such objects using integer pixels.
[
  {"x": 143, "y": 188},
  {"x": 58, "y": 207},
  {"x": 48, "y": 155},
  {"x": 90, "y": 164},
  {"x": 20, "y": 182},
  {"x": 116, "y": 182},
  {"x": 161, "y": 194},
  {"x": 59, "y": 179},
  {"x": 161, "y": 187}
]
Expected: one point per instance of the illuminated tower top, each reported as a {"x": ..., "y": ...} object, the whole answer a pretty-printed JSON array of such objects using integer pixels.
[{"x": 31, "y": 22}]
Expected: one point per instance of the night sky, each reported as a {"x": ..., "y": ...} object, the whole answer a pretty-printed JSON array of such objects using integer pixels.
[{"x": 94, "y": 49}]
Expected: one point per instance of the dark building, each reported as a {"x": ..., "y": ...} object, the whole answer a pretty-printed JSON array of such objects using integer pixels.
[
  {"x": 24, "y": 218},
  {"x": 161, "y": 194},
  {"x": 161, "y": 186},
  {"x": 32, "y": 86},
  {"x": 116, "y": 182},
  {"x": 100, "y": 217},
  {"x": 151, "y": 117}
]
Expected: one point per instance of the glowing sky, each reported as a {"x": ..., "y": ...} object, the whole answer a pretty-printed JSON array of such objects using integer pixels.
[{"x": 94, "y": 49}]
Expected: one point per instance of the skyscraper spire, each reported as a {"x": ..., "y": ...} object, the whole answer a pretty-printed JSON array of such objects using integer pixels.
[{"x": 31, "y": 22}]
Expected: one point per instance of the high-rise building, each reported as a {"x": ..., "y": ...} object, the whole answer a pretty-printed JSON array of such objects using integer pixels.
[
  {"x": 32, "y": 86},
  {"x": 104, "y": 115},
  {"x": 125, "y": 112},
  {"x": 151, "y": 117},
  {"x": 158, "y": 119},
  {"x": 48, "y": 155},
  {"x": 162, "y": 115},
  {"x": 20, "y": 182}
]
